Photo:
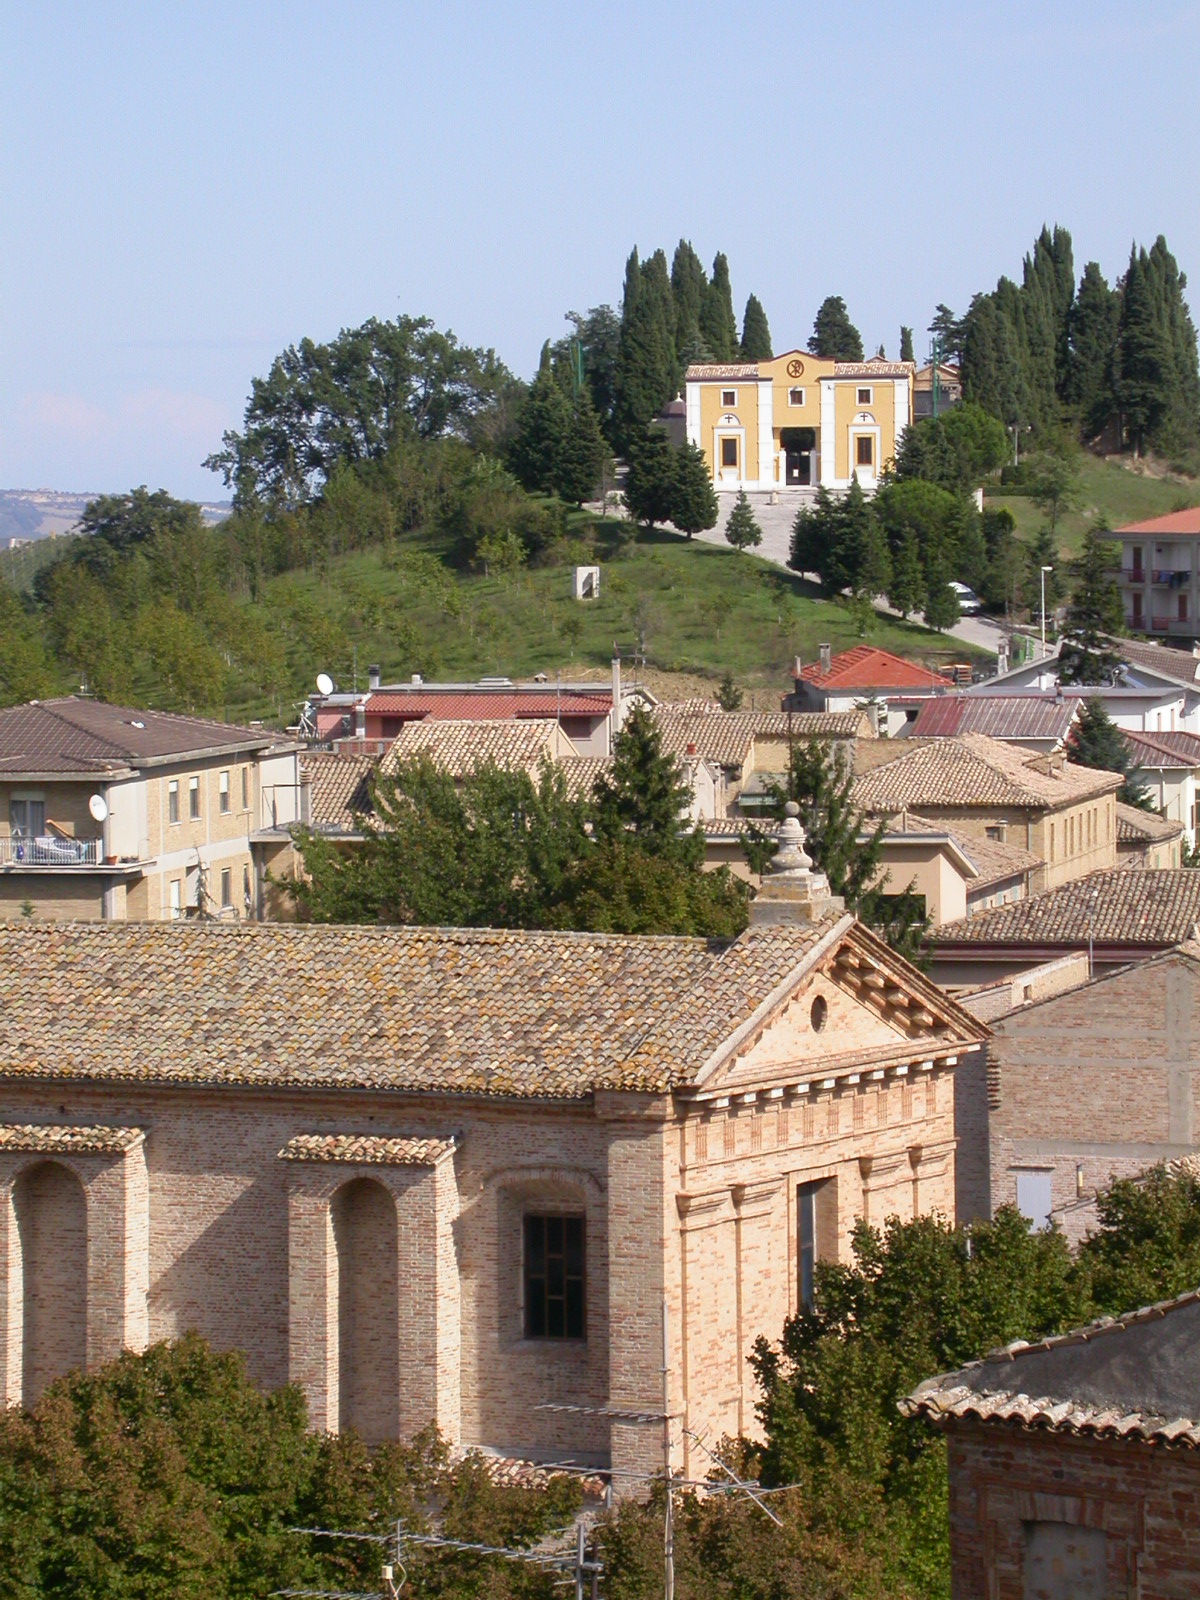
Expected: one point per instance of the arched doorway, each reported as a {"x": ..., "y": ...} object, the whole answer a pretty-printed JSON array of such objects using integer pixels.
[
  {"x": 365, "y": 1239},
  {"x": 799, "y": 447},
  {"x": 51, "y": 1213}
]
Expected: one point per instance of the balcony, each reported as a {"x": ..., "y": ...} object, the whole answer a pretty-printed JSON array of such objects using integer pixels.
[
  {"x": 1171, "y": 577},
  {"x": 50, "y": 850},
  {"x": 1133, "y": 574}
]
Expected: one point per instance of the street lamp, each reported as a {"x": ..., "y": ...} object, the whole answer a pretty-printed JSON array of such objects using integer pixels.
[{"x": 1045, "y": 570}]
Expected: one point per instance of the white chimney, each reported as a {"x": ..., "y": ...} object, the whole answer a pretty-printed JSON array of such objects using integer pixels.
[
  {"x": 797, "y": 668},
  {"x": 826, "y": 657},
  {"x": 616, "y": 717},
  {"x": 374, "y": 677}
]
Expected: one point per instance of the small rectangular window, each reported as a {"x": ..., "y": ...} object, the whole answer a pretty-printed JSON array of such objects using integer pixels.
[
  {"x": 995, "y": 831},
  {"x": 864, "y": 397},
  {"x": 223, "y": 792},
  {"x": 226, "y": 886},
  {"x": 554, "y": 1277},
  {"x": 864, "y": 450},
  {"x": 173, "y": 800},
  {"x": 247, "y": 897},
  {"x": 176, "y": 897},
  {"x": 729, "y": 452},
  {"x": 193, "y": 798},
  {"x": 729, "y": 398},
  {"x": 245, "y": 788},
  {"x": 795, "y": 397},
  {"x": 1033, "y": 1196}
]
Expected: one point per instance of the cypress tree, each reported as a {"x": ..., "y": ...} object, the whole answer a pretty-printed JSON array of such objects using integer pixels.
[
  {"x": 1182, "y": 416},
  {"x": 906, "y": 344},
  {"x": 693, "y": 500},
  {"x": 718, "y": 326},
  {"x": 582, "y": 453},
  {"x": 742, "y": 530},
  {"x": 1094, "y": 614},
  {"x": 644, "y": 796},
  {"x": 834, "y": 336},
  {"x": 1093, "y": 338},
  {"x": 644, "y": 378},
  {"x": 542, "y": 428},
  {"x": 633, "y": 282},
  {"x": 1141, "y": 366},
  {"x": 864, "y": 552},
  {"x": 756, "y": 335},
  {"x": 906, "y": 587},
  {"x": 689, "y": 281}
]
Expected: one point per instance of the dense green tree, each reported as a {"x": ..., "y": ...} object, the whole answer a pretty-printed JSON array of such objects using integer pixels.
[
  {"x": 650, "y": 484},
  {"x": 742, "y": 530},
  {"x": 644, "y": 795},
  {"x": 1142, "y": 360},
  {"x": 582, "y": 454},
  {"x": 694, "y": 506},
  {"x": 1147, "y": 1246},
  {"x": 834, "y": 336},
  {"x": 941, "y": 603},
  {"x": 544, "y": 423},
  {"x": 1093, "y": 337},
  {"x": 1180, "y": 422},
  {"x": 945, "y": 526},
  {"x": 26, "y": 672},
  {"x": 958, "y": 449},
  {"x": 718, "y": 326},
  {"x": 948, "y": 330},
  {"x": 598, "y": 334},
  {"x": 645, "y": 375},
  {"x": 1004, "y": 576},
  {"x": 994, "y": 372},
  {"x": 350, "y": 401},
  {"x": 1096, "y": 741},
  {"x": 906, "y": 591},
  {"x": 729, "y": 696},
  {"x": 1054, "y": 486},
  {"x": 689, "y": 285},
  {"x": 840, "y": 539},
  {"x": 1094, "y": 614},
  {"x": 906, "y": 344},
  {"x": 756, "y": 334}
]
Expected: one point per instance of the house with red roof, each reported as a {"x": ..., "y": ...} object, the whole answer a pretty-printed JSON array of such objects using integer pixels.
[
  {"x": 1160, "y": 574},
  {"x": 865, "y": 676}
]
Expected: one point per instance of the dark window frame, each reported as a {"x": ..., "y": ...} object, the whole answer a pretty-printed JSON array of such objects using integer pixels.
[
  {"x": 864, "y": 450},
  {"x": 729, "y": 450},
  {"x": 554, "y": 1275}
]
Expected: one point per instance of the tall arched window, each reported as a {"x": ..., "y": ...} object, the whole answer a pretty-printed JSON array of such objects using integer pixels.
[
  {"x": 365, "y": 1238},
  {"x": 51, "y": 1213}
]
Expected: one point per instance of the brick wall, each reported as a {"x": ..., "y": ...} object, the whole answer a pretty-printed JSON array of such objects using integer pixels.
[{"x": 1129, "y": 1509}]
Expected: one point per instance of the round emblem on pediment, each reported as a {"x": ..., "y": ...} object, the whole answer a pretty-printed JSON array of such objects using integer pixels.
[{"x": 795, "y": 369}]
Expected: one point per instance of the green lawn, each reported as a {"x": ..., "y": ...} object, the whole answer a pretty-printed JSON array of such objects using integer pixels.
[
  {"x": 701, "y": 610},
  {"x": 1108, "y": 492}
]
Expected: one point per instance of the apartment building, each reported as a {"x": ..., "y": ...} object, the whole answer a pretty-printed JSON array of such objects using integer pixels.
[{"x": 113, "y": 813}]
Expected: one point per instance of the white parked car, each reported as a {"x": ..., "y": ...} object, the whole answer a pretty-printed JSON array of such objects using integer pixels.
[{"x": 969, "y": 603}]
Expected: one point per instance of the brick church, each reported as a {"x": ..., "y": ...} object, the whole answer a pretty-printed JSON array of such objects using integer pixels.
[{"x": 458, "y": 1175}]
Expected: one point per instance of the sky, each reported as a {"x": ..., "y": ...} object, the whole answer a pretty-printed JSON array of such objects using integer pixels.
[{"x": 187, "y": 188}]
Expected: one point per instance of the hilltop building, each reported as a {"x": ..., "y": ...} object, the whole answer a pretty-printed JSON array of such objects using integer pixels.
[{"x": 798, "y": 421}]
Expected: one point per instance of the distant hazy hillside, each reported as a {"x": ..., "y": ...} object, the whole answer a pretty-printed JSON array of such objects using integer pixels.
[{"x": 40, "y": 513}]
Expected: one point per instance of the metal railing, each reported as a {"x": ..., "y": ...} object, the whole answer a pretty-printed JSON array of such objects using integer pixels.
[{"x": 49, "y": 850}]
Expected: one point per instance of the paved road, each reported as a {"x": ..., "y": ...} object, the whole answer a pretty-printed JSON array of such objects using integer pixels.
[{"x": 776, "y": 524}]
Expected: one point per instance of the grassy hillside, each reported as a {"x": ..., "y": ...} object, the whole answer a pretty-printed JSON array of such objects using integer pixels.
[
  {"x": 700, "y": 609},
  {"x": 1113, "y": 493}
]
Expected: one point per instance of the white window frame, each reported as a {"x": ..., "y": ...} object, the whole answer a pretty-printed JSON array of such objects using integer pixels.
[
  {"x": 728, "y": 399},
  {"x": 792, "y": 394},
  {"x": 194, "y": 798},
  {"x": 223, "y": 795},
  {"x": 173, "y": 802},
  {"x": 870, "y": 396},
  {"x": 175, "y": 893}
]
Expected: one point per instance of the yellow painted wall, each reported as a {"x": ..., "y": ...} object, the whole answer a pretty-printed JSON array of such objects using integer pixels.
[
  {"x": 846, "y": 407},
  {"x": 746, "y": 411}
]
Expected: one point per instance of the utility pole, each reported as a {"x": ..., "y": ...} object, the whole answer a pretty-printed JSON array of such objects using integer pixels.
[
  {"x": 669, "y": 1522},
  {"x": 1045, "y": 570}
]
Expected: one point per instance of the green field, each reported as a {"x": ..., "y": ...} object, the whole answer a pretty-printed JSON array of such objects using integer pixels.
[
  {"x": 1107, "y": 492},
  {"x": 700, "y": 610}
]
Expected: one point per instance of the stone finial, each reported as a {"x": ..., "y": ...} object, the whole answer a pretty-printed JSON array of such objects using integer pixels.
[{"x": 791, "y": 891}]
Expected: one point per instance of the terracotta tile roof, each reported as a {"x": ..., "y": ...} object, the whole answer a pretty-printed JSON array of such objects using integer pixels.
[
  {"x": 366, "y": 1150},
  {"x": 868, "y": 667},
  {"x": 1136, "y": 1376},
  {"x": 972, "y": 770},
  {"x": 478, "y": 704},
  {"x": 339, "y": 789},
  {"x": 1175, "y": 522},
  {"x": 1147, "y": 908},
  {"x": 1180, "y": 665},
  {"x": 474, "y": 1011},
  {"x": 77, "y": 733},
  {"x": 727, "y": 738},
  {"x": 51, "y": 1139},
  {"x": 519, "y": 745},
  {"x": 1134, "y": 824},
  {"x": 1001, "y": 716},
  {"x": 581, "y": 773},
  {"x": 1163, "y": 749},
  {"x": 704, "y": 371}
]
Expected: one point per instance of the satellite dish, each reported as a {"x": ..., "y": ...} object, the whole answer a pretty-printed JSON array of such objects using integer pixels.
[
  {"x": 98, "y": 806},
  {"x": 324, "y": 683}
]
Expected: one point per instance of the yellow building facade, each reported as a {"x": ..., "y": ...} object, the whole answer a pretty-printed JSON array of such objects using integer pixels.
[{"x": 797, "y": 420}]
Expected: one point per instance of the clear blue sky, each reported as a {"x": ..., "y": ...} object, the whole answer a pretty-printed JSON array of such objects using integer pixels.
[{"x": 185, "y": 188}]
